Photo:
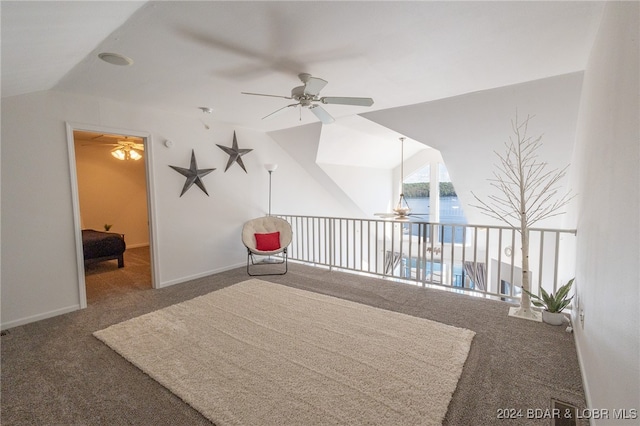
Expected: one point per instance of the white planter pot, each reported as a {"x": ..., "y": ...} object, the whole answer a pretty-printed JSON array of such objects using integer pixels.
[{"x": 553, "y": 318}]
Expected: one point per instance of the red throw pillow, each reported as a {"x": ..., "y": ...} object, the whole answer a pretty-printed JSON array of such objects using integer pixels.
[{"x": 268, "y": 242}]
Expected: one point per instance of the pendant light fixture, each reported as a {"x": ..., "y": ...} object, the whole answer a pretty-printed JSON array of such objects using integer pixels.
[{"x": 402, "y": 208}]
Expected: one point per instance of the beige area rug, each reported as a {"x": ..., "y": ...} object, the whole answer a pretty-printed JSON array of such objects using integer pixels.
[{"x": 259, "y": 353}]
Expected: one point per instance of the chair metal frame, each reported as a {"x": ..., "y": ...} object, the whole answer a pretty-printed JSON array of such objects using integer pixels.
[{"x": 251, "y": 262}]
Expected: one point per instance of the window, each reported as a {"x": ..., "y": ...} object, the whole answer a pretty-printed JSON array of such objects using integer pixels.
[
  {"x": 419, "y": 188},
  {"x": 450, "y": 208}
]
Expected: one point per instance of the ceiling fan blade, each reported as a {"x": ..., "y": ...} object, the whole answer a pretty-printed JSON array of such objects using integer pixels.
[
  {"x": 314, "y": 85},
  {"x": 347, "y": 101},
  {"x": 322, "y": 114},
  {"x": 262, "y": 94},
  {"x": 393, "y": 216},
  {"x": 279, "y": 111}
]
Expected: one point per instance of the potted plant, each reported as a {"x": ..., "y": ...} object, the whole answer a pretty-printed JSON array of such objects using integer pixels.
[{"x": 553, "y": 304}]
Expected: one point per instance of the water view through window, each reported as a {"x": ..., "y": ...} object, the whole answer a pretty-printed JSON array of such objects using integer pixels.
[
  {"x": 419, "y": 188},
  {"x": 450, "y": 210}
]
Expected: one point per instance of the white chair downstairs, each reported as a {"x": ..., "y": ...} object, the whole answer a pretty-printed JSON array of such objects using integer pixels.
[{"x": 267, "y": 236}]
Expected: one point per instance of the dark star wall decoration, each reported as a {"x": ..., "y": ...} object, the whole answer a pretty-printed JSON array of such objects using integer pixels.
[
  {"x": 235, "y": 153},
  {"x": 193, "y": 175}
]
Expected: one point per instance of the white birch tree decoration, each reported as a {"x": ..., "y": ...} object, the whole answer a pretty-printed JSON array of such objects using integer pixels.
[{"x": 528, "y": 194}]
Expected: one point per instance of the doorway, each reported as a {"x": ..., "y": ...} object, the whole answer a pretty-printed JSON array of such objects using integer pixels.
[{"x": 111, "y": 193}]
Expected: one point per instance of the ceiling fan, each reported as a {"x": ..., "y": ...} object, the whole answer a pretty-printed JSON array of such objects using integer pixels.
[
  {"x": 307, "y": 96},
  {"x": 127, "y": 150},
  {"x": 125, "y": 147},
  {"x": 402, "y": 211}
]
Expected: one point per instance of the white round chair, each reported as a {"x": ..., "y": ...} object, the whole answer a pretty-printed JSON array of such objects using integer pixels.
[{"x": 267, "y": 236}]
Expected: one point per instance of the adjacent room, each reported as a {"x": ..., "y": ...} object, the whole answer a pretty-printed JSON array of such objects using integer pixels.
[
  {"x": 382, "y": 135},
  {"x": 112, "y": 196}
]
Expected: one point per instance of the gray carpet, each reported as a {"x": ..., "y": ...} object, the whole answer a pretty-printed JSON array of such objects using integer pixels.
[{"x": 55, "y": 372}]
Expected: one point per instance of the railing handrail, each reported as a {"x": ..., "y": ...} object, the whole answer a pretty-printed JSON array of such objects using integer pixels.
[{"x": 470, "y": 225}]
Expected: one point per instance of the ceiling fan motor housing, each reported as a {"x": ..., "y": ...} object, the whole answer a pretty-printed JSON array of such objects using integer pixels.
[{"x": 305, "y": 99}]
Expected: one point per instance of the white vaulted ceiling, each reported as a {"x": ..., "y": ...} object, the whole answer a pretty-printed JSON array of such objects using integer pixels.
[
  {"x": 192, "y": 54},
  {"x": 43, "y": 41}
]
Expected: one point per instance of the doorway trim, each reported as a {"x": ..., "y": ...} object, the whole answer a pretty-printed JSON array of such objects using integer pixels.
[{"x": 151, "y": 210}]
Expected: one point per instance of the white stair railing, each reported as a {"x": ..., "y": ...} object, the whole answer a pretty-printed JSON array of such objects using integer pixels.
[{"x": 476, "y": 259}]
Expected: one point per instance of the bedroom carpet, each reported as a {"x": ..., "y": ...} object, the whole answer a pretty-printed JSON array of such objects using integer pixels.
[
  {"x": 55, "y": 372},
  {"x": 262, "y": 353}
]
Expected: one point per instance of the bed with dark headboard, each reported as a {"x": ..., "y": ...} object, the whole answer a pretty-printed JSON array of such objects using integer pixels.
[{"x": 99, "y": 246}]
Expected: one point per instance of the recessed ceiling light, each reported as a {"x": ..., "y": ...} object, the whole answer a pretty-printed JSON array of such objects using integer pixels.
[{"x": 115, "y": 59}]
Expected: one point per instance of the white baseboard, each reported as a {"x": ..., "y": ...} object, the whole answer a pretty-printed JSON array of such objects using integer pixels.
[
  {"x": 38, "y": 317},
  {"x": 137, "y": 245},
  {"x": 575, "y": 323},
  {"x": 66, "y": 310},
  {"x": 200, "y": 275}
]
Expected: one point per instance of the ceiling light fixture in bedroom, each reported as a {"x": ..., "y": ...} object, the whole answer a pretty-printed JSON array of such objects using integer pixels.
[
  {"x": 126, "y": 153},
  {"x": 127, "y": 149}
]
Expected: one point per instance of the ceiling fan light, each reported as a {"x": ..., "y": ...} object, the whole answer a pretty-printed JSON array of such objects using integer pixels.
[
  {"x": 402, "y": 208},
  {"x": 134, "y": 155},
  {"x": 119, "y": 154}
]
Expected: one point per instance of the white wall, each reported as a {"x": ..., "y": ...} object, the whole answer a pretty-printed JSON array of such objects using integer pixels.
[
  {"x": 196, "y": 235},
  {"x": 467, "y": 129},
  {"x": 368, "y": 187},
  {"x": 607, "y": 211},
  {"x": 302, "y": 143},
  {"x": 112, "y": 191},
  {"x": 39, "y": 273}
]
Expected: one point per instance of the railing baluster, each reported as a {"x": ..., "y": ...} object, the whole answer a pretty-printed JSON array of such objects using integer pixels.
[
  {"x": 310, "y": 243},
  {"x": 464, "y": 250},
  {"x": 369, "y": 245},
  {"x": 353, "y": 232},
  {"x": 541, "y": 262},
  {"x": 316, "y": 231},
  {"x": 513, "y": 257},
  {"x": 475, "y": 255},
  {"x": 377, "y": 248},
  {"x": 332, "y": 242},
  {"x": 486, "y": 258},
  {"x": 499, "y": 258},
  {"x": 418, "y": 277},
  {"x": 555, "y": 263},
  {"x": 339, "y": 247},
  {"x": 393, "y": 234},
  {"x": 453, "y": 256},
  {"x": 421, "y": 262},
  {"x": 327, "y": 244}
]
